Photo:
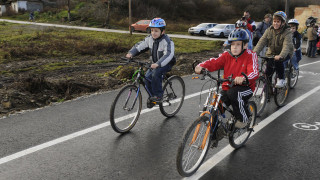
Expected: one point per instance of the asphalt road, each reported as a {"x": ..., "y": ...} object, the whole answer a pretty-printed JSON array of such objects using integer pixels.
[{"x": 74, "y": 140}]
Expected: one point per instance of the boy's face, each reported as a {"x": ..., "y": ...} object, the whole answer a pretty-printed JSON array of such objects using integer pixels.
[
  {"x": 293, "y": 28},
  {"x": 236, "y": 47},
  {"x": 276, "y": 23},
  {"x": 156, "y": 32}
]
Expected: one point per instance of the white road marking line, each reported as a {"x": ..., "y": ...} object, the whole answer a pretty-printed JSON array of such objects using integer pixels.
[
  {"x": 77, "y": 134},
  {"x": 309, "y": 63},
  {"x": 210, "y": 163}
]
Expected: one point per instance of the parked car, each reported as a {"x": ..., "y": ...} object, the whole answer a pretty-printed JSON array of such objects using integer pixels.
[
  {"x": 201, "y": 28},
  {"x": 221, "y": 30},
  {"x": 142, "y": 25}
]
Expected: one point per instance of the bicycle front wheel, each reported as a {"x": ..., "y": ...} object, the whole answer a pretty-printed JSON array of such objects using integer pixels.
[
  {"x": 293, "y": 77},
  {"x": 260, "y": 95},
  {"x": 238, "y": 137},
  {"x": 173, "y": 96},
  {"x": 125, "y": 109},
  {"x": 281, "y": 94},
  {"x": 194, "y": 147}
]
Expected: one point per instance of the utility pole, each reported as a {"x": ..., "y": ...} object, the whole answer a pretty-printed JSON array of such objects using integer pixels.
[
  {"x": 130, "y": 20},
  {"x": 287, "y": 8}
]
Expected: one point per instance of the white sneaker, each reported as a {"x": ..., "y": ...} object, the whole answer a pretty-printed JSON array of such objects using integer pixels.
[
  {"x": 240, "y": 125},
  {"x": 280, "y": 83}
]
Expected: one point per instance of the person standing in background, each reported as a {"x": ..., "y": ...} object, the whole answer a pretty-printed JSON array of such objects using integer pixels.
[{"x": 312, "y": 40}]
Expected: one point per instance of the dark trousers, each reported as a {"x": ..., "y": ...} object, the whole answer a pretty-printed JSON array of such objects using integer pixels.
[
  {"x": 154, "y": 79},
  {"x": 279, "y": 67},
  {"x": 238, "y": 97},
  {"x": 312, "y": 48}
]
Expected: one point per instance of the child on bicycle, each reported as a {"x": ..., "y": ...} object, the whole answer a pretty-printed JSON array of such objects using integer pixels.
[
  {"x": 239, "y": 59},
  {"x": 162, "y": 56},
  {"x": 278, "y": 38},
  {"x": 296, "y": 40}
]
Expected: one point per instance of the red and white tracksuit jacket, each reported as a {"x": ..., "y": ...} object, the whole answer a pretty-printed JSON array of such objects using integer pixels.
[{"x": 246, "y": 63}]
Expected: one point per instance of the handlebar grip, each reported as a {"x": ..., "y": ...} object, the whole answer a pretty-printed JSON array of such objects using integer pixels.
[{"x": 247, "y": 80}]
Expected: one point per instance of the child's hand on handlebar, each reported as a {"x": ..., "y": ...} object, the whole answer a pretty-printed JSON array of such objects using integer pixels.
[
  {"x": 198, "y": 69},
  {"x": 239, "y": 80},
  {"x": 129, "y": 56},
  {"x": 154, "y": 66},
  {"x": 277, "y": 58}
]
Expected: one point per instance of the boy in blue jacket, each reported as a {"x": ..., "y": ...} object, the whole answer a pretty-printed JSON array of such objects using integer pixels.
[{"x": 162, "y": 56}]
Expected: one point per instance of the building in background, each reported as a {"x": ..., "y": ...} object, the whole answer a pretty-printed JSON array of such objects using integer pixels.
[
  {"x": 2, "y": 9},
  {"x": 30, "y": 5},
  {"x": 302, "y": 14}
]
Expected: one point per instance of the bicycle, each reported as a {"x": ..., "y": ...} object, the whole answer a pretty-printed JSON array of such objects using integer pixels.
[
  {"x": 293, "y": 74},
  {"x": 265, "y": 88},
  {"x": 212, "y": 126},
  {"x": 126, "y": 107}
]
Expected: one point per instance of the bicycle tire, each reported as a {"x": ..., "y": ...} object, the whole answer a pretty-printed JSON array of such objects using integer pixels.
[
  {"x": 260, "y": 95},
  {"x": 186, "y": 149},
  {"x": 238, "y": 137},
  {"x": 293, "y": 77},
  {"x": 173, "y": 96},
  {"x": 119, "y": 119},
  {"x": 281, "y": 94}
]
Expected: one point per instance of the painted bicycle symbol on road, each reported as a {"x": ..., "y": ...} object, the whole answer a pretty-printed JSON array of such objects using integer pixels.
[{"x": 306, "y": 126}]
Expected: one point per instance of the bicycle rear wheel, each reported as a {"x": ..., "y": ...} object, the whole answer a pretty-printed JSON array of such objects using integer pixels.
[
  {"x": 238, "y": 137},
  {"x": 293, "y": 77},
  {"x": 260, "y": 94},
  {"x": 193, "y": 149},
  {"x": 125, "y": 109},
  {"x": 281, "y": 94},
  {"x": 173, "y": 96}
]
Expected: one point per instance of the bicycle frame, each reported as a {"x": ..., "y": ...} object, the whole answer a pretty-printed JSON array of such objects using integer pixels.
[
  {"x": 213, "y": 107},
  {"x": 268, "y": 83}
]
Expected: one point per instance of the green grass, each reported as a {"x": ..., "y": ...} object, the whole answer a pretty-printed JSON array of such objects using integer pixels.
[{"x": 24, "y": 42}]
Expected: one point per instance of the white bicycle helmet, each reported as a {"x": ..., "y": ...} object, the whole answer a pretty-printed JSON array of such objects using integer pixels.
[{"x": 293, "y": 21}]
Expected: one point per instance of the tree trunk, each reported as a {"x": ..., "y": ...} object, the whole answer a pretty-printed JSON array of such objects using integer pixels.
[
  {"x": 69, "y": 16},
  {"x": 108, "y": 14}
]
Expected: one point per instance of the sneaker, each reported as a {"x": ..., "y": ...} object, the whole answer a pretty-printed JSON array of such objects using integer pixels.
[
  {"x": 156, "y": 99},
  {"x": 280, "y": 83},
  {"x": 240, "y": 125}
]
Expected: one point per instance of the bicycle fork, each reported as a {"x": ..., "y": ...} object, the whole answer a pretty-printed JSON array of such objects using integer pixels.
[
  {"x": 134, "y": 101},
  {"x": 209, "y": 125}
]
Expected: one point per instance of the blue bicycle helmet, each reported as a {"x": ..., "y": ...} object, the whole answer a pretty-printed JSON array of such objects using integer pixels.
[
  {"x": 157, "y": 23},
  {"x": 281, "y": 14},
  {"x": 238, "y": 35}
]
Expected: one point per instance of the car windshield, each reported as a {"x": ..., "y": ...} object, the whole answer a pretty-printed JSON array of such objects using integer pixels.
[
  {"x": 219, "y": 26},
  {"x": 202, "y": 25}
]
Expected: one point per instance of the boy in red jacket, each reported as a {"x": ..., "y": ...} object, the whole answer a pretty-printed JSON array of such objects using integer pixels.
[{"x": 234, "y": 63}]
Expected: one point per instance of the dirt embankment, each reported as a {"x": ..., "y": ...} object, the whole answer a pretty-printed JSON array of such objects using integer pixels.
[{"x": 23, "y": 90}]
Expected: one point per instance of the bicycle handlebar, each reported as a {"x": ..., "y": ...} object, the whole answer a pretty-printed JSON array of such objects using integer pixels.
[
  {"x": 270, "y": 58},
  {"x": 144, "y": 64},
  {"x": 228, "y": 79}
]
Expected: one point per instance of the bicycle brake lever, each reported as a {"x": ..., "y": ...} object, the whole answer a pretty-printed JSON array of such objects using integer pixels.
[{"x": 232, "y": 84}]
